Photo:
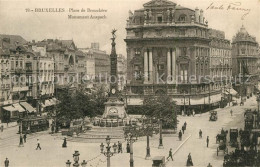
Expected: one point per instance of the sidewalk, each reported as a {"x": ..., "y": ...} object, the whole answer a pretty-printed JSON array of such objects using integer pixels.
[{"x": 11, "y": 124}]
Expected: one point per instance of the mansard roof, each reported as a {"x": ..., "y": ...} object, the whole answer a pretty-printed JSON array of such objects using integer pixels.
[{"x": 159, "y": 3}]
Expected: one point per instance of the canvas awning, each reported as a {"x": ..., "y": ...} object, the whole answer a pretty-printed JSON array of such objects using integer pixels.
[
  {"x": 198, "y": 101},
  {"x": 18, "y": 107},
  {"x": 10, "y": 108},
  {"x": 48, "y": 103},
  {"x": 215, "y": 98},
  {"x": 28, "y": 107},
  {"x": 232, "y": 91}
]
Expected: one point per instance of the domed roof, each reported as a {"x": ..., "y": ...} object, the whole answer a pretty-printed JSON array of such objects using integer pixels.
[{"x": 243, "y": 30}]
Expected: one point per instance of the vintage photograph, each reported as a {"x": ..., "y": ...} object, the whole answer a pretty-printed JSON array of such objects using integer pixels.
[{"x": 139, "y": 83}]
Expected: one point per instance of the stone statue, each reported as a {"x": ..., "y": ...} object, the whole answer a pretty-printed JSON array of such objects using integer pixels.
[{"x": 113, "y": 34}]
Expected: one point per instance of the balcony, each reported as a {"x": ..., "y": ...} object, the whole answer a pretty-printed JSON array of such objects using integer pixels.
[{"x": 19, "y": 71}]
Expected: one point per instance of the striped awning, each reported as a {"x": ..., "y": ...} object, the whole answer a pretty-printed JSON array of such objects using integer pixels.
[
  {"x": 10, "y": 108},
  {"x": 28, "y": 107},
  {"x": 18, "y": 107}
]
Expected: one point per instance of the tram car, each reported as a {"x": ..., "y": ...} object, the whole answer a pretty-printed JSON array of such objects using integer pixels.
[
  {"x": 233, "y": 132},
  {"x": 33, "y": 124},
  {"x": 249, "y": 119}
]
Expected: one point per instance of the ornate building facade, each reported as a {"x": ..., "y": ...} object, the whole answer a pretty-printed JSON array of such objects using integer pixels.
[
  {"x": 168, "y": 52},
  {"x": 245, "y": 58}
]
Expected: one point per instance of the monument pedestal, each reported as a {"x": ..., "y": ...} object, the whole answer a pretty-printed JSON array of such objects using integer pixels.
[{"x": 114, "y": 109}]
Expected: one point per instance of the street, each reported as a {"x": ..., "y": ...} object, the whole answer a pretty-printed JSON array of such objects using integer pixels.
[{"x": 201, "y": 155}]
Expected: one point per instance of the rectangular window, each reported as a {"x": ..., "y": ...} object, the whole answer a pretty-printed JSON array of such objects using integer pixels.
[
  {"x": 159, "y": 19},
  {"x": 12, "y": 65}
]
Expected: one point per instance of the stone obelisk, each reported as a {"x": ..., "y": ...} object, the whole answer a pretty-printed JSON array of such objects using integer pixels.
[{"x": 114, "y": 108}]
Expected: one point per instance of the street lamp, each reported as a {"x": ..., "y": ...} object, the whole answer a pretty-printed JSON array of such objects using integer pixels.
[
  {"x": 102, "y": 147},
  {"x": 84, "y": 163},
  {"x": 131, "y": 138},
  {"x": 76, "y": 159},
  {"x": 107, "y": 153},
  {"x": 68, "y": 163},
  {"x": 160, "y": 139}
]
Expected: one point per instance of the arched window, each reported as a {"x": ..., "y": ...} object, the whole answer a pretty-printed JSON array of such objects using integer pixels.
[
  {"x": 183, "y": 18},
  {"x": 71, "y": 60}
]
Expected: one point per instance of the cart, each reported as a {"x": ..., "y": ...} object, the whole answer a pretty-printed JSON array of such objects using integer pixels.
[
  {"x": 213, "y": 116},
  {"x": 233, "y": 137},
  {"x": 222, "y": 146},
  {"x": 234, "y": 103}
]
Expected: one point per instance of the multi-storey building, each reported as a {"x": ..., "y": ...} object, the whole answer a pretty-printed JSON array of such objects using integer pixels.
[
  {"x": 221, "y": 63},
  {"x": 89, "y": 76},
  {"x": 168, "y": 52},
  {"x": 244, "y": 57},
  {"x": 102, "y": 62},
  {"x": 15, "y": 76}
]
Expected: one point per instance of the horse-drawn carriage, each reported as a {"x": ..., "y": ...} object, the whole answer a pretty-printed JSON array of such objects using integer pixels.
[
  {"x": 213, "y": 116},
  {"x": 233, "y": 132},
  {"x": 222, "y": 136},
  {"x": 222, "y": 146}
]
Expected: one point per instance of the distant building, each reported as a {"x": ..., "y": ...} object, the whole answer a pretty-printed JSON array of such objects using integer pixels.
[
  {"x": 102, "y": 62},
  {"x": 245, "y": 57}
]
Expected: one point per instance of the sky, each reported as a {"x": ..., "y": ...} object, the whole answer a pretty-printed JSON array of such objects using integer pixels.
[{"x": 14, "y": 19}]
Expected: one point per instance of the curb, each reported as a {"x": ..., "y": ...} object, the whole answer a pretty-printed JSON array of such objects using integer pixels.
[{"x": 181, "y": 145}]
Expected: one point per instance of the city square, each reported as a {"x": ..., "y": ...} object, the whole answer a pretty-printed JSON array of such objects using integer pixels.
[{"x": 168, "y": 88}]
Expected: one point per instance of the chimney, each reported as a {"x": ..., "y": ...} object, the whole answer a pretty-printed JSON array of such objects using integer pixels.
[
  {"x": 201, "y": 17},
  {"x": 197, "y": 15}
]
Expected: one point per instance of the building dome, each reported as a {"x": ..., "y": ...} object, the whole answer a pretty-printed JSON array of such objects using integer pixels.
[{"x": 243, "y": 30}]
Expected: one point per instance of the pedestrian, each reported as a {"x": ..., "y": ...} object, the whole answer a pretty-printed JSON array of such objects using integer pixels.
[
  {"x": 231, "y": 112},
  {"x": 2, "y": 128},
  {"x": 209, "y": 165},
  {"x": 120, "y": 147},
  {"x": 38, "y": 145},
  {"x": 200, "y": 134},
  {"x": 185, "y": 124},
  {"x": 24, "y": 137},
  {"x": 183, "y": 129},
  {"x": 128, "y": 147},
  {"x": 64, "y": 144},
  {"x": 193, "y": 113},
  {"x": 189, "y": 161},
  {"x": 207, "y": 141},
  {"x": 6, "y": 162},
  {"x": 52, "y": 128},
  {"x": 21, "y": 140},
  {"x": 180, "y": 135},
  {"x": 170, "y": 155}
]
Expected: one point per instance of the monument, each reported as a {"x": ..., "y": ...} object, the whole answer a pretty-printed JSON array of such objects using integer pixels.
[{"x": 114, "y": 107}]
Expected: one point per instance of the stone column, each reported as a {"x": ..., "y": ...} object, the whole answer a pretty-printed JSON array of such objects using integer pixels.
[
  {"x": 150, "y": 65},
  {"x": 145, "y": 67},
  {"x": 174, "y": 64},
  {"x": 169, "y": 66}
]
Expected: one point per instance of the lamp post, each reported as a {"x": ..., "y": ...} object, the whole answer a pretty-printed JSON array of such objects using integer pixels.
[
  {"x": 107, "y": 153},
  {"x": 148, "y": 132},
  {"x": 160, "y": 139},
  {"x": 130, "y": 139},
  {"x": 76, "y": 160}
]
